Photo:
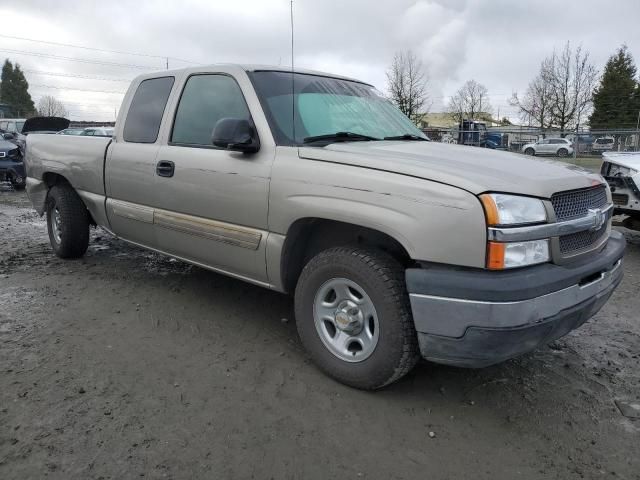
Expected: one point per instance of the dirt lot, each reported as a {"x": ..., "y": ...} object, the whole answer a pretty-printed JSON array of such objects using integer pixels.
[{"x": 125, "y": 364}]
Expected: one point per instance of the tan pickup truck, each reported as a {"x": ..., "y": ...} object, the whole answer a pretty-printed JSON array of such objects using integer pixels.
[{"x": 311, "y": 184}]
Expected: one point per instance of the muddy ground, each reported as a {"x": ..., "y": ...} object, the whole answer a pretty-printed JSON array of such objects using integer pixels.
[{"x": 125, "y": 364}]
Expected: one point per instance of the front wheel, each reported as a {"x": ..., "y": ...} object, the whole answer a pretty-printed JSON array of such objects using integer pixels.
[
  {"x": 354, "y": 318},
  {"x": 529, "y": 151},
  {"x": 563, "y": 152},
  {"x": 67, "y": 222},
  {"x": 17, "y": 182}
]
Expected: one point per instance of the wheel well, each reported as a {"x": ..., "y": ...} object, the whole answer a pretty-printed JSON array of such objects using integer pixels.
[
  {"x": 50, "y": 179},
  {"x": 309, "y": 236}
]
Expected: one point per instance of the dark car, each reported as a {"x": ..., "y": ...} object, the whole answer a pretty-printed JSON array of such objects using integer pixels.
[
  {"x": 49, "y": 125},
  {"x": 11, "y": 165}
]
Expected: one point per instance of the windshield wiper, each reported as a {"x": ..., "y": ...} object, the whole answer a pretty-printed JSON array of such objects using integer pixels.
[
  {"x": 339, "y": 137},
  {"x": 407, "y": 136}
]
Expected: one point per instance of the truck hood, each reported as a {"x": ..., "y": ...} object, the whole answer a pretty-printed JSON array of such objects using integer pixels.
[
  {"x": 45, "y": 124},
  {"x": 474, "y": 169},
  {"x": 629, "y": 160}
]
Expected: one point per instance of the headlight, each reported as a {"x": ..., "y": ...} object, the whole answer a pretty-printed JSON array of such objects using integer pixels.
[
  {"x": 517, "y": 254},
  {"x": 503, "y": 209},
  {"x": 513, "y": 210}
]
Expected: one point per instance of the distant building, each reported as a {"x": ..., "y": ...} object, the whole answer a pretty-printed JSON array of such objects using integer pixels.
[
  {"x": 448, "y": 120},
  {"x": 5, "y": 111}
]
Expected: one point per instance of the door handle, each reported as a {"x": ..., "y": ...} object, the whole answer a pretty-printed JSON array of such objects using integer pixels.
[{"x": 165, "y": 168}]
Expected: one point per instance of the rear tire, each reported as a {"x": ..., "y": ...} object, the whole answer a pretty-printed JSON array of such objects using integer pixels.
[
  {"x": 530, "y": 151},
  {"x": 374, "y": 281},
  {"x": 67, "y": 222}
]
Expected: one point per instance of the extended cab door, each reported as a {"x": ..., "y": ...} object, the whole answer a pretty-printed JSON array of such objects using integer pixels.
[
  {"x": 212, "y": 203},
  {"x": 130, "y": 167}
]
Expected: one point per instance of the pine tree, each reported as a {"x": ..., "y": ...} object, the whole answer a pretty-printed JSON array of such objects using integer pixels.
[
  {"x": 5, "y": 82},
  {"x": 616, "y": 99},
  {"x": 14, "y": 90},
  {"x": 23, "y": 101}
]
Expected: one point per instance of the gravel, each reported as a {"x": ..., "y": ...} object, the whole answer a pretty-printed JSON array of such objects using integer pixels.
[{"x": 126, "y": 364}]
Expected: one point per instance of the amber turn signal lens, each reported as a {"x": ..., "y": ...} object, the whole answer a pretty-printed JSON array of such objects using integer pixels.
[
  {"x": 490, "y": 209},
  {"x": 495, "y": 255}
]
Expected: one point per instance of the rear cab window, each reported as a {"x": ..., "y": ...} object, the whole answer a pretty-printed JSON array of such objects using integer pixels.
[{"x": 147, "y": 109}]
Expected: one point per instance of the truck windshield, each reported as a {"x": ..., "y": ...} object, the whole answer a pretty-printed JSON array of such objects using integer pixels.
[{"x": 326, "y": 106}]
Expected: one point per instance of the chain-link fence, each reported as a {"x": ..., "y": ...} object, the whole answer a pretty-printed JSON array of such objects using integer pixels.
[{"x": 540, "y": 142}]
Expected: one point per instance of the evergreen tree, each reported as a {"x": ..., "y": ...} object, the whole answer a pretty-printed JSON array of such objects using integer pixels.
[
  {"x": 23, "y": 101},
  {"x": 14, "y": 90},
  {"x": 617, "y": 99},
  {"x": 5, "y": 82}
]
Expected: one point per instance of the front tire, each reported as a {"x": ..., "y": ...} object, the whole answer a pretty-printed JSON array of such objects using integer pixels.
[
  {"x": 563, "y": 152},
  {"x": 530, "y": 151},
  {"x": 17, "y": 182},
  {"x": 67, "y": 222},
  {"x": 354, "y": 318}
]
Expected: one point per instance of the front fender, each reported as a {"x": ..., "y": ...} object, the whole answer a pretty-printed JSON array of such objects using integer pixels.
[{"x": 434, "y": 222}]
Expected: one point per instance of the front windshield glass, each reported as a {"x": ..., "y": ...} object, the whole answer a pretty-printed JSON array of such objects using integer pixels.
[
  {"x": 324, "y": 106},
  {"x": 19, "y": 126}
]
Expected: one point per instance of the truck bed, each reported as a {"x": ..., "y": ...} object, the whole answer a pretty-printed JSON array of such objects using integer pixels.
[{"x": 80, "y": 160}]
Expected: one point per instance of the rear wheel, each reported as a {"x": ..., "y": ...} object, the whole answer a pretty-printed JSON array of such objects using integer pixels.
[
  {"x": 563, "y": 152},
  {"x": 67, "y": 222},
  {"x": 354, "y": 318},
  {"x": 529, "y": 151}
]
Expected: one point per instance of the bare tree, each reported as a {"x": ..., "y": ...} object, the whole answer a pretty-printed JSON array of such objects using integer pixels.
[
  {"x": 407, "y": 83},
  {"x": 535, "y": 106},
  {"x": 561, "y": 93},
  {"x": 49, "y": 106},
  {"x": 470, "y": 101}
]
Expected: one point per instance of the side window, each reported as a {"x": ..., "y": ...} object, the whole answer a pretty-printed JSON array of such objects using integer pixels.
[
  {"x": 3, "y": 125},
  {"x": 205, "y": 100},
  {"x": 147, "y": 107}
]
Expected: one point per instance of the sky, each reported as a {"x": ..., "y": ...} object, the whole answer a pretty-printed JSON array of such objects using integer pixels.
[{"x": 499, "y": 43}]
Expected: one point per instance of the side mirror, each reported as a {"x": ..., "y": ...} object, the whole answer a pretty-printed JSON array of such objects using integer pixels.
[
  {"x": 8, "y": 136},
  {"x": 236, "y": 134}
]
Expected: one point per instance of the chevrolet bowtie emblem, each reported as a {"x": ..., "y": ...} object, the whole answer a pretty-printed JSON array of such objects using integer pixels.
[{"x": 599, "y": 218}]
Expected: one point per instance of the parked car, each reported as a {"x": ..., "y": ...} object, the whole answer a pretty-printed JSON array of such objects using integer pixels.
[
  {"x": 622, "y": 172},
  {"x": 97, "y": 132},
  {"x": 71, "y": 131},
  {"x": 603, "y": 144},
  {"x": 560, "y": 147},
  {"x": 393, "y": 246},
  {"x": 11, "y": 165},
  {"x": 12, "y": 125},
  {"x": 40, "y": 125}
]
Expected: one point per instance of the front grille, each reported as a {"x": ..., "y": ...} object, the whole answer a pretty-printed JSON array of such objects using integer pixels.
[
  {"x": 575, "y": 242},
  {"x": 620, "y": 198},
  {"x": 576, "y": 203}
]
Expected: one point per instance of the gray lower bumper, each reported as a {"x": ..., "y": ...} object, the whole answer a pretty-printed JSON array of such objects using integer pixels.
[{"x": 477, "y": 333}]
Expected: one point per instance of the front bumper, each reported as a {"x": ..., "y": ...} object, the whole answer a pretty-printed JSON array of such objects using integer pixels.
[{"x": 475, "y": 318}]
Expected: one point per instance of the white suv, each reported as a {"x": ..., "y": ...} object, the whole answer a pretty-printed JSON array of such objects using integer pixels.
[
  {"x": 560, "y": 147},
  {"x": 603, "y": 144}
]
